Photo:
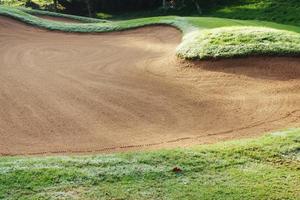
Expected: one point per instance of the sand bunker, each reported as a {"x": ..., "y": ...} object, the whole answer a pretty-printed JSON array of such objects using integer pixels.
[{"x": 84, "y": 93}]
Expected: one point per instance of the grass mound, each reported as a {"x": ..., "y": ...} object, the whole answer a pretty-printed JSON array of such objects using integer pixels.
[
  {"x": 262, "y": 168},
  {"x": 229, "y": 42}
]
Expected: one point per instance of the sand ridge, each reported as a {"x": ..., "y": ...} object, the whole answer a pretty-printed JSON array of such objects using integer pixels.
[{"x": 84, "y": 93}]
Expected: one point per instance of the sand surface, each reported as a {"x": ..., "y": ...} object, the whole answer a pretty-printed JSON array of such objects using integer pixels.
[{"x": 85, "y": 93}]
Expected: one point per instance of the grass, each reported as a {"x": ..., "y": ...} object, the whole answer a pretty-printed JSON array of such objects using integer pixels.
[
  {"x": 238, "y": 42},
  {"x": 281, "y": 11},
  {"x": 216, "y": 22},
  {"x": 262, "y": 168},
  {"x": 197, "y": 44},
  {"x": 55, "y": 14}
]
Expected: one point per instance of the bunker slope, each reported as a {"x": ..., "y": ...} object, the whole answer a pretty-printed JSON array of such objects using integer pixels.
[{"x": 85, "y": 93}]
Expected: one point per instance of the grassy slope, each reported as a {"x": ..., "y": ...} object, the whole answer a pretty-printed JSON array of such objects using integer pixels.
[
  {"x": 263, "y": 168},
  {"x": 191, "y": 47}
]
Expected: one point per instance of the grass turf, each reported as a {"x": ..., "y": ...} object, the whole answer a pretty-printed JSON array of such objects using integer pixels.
[
  {"x": 262, "y": 168},
  {"x": 193, "y": 43},
  {"x": 282, "y": 11}
]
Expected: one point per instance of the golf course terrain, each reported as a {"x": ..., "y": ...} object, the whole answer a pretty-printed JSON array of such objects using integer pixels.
[{"x": 151, "y": 107}]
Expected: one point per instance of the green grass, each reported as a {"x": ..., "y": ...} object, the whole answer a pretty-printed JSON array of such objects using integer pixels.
[
  {"x": 215, "y": 22},
  {"x": 197, "y": 44},
  {"x": 55, "y": 14},
  {"x": 282, "y": 11},
  {"x": 183, "y": 23},
  {"x": 262, "y": 168},
  {"x": 25, "y": 17},
  {"x": 238, "y": 42}
]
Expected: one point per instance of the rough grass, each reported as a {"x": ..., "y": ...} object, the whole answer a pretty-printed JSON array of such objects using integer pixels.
[
  {"x": 262, "y": 168},
  {"x": 239, "y": 41}
]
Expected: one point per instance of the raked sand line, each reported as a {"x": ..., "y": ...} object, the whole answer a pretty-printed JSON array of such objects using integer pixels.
[{"x": 83, "y": 93}]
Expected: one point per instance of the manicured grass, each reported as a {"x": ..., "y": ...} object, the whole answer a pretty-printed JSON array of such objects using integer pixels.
[
  {"x": 262, "y": 168},
  {"x": 239, "y": 41},
  {"x": 215, "y": 22},
  {"x": 282, "y": 11}
]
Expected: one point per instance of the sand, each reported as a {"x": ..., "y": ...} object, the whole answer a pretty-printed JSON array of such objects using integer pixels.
[{"x": 126, "y": 91}]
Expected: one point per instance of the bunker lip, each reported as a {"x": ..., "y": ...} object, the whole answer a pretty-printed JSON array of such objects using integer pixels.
[{"x": 64, "y": 93}]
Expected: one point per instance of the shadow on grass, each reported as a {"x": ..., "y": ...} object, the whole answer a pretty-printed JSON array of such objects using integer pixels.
[{"x": 281, "y": 11}]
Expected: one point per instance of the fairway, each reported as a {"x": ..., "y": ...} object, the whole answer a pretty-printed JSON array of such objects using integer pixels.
[{"x": 110, "y": 92}]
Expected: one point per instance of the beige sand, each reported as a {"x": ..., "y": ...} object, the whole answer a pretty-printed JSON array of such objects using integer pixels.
[{"x": 85, "y": 93}]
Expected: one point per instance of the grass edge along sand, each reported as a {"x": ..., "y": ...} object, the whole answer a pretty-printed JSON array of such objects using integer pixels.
[{"x": 203, "y": 37}]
